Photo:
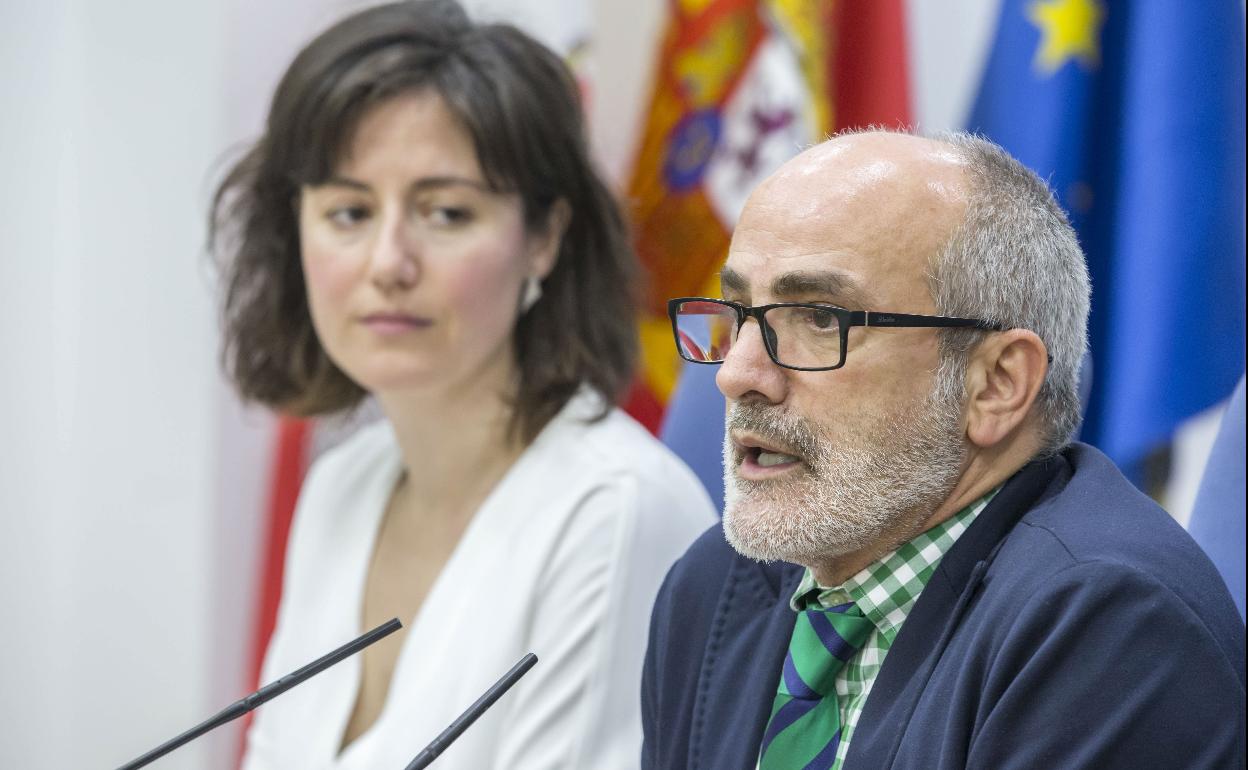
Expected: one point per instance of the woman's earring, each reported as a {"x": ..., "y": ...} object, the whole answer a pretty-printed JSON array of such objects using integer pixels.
[{"x": 532, "y": 293}]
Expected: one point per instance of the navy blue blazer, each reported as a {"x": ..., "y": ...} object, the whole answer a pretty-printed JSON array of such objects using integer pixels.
[{"x": 1073, "y": 625}]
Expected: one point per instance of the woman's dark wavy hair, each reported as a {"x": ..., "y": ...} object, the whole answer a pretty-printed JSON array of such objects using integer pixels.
[{"x": 522, "y": 109}]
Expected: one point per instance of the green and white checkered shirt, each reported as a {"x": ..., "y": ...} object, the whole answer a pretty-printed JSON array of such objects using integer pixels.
[{"x": 885, "y": 591}]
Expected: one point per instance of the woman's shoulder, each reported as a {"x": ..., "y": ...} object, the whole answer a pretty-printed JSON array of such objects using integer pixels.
[
  {"x": 361, "y": 460},
  {"x": 615, "y": 450},
  {"x": 610, "y": 493},
  {"x": 342, "y": 496}
]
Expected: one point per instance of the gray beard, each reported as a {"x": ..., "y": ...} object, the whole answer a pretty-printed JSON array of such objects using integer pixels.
[{"x": 871, "y": 486}]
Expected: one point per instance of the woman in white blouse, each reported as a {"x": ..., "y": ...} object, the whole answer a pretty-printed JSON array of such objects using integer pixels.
[{"x": 421, "y": 223}]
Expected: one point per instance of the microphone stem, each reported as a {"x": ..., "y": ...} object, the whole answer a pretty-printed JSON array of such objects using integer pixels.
[
  {"x": 228, "y": 714},
  {"x": 448, "y": 736},
  {"x": 266, "y": 693}
]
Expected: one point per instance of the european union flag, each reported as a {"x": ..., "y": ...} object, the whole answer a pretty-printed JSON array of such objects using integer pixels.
[{"x": 1134, "y": 112}]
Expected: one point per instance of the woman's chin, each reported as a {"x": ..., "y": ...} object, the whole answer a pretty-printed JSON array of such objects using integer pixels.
[{"x": 383, "y": 381}]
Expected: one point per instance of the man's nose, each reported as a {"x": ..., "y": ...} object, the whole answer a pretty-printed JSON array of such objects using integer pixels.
[
  {"x": 395, "y": 262},
  {"x": 747, "y": 369}
]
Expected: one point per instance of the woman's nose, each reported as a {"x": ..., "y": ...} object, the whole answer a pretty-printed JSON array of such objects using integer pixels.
[{"x": 395, "y": 262}]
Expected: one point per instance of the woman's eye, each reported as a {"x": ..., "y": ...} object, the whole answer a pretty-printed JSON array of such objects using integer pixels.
[
  {"x": 347, "y": 216},
  {"x": 450, "y": 215}
]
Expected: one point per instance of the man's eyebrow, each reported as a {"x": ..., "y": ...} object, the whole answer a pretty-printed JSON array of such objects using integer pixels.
[
  {"x": 821, "y": 283},
  {"x": 732, "y": 281}
]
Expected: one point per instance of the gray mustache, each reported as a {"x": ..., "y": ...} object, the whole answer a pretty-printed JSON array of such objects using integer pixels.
[{"x": 775, "y": 425}]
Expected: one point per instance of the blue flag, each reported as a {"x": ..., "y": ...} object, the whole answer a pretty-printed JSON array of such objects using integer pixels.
[
  {"x": 693, "y": 427},
  {"x": 1134, "y": 112}
]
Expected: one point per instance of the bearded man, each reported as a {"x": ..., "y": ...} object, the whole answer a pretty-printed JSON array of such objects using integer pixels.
[{"x": 917, "y": 567}]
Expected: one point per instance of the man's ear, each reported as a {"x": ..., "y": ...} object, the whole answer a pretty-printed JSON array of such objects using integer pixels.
[
  {"x": 1003, "y": 378},
  {"x": 544, "y": 241}
]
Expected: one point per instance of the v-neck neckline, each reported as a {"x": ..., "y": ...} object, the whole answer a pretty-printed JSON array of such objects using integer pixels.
[{"x": 362, "y": 746}]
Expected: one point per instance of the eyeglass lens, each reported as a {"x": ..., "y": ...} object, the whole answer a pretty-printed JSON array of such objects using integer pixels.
[{"x": 800, "y": 336}]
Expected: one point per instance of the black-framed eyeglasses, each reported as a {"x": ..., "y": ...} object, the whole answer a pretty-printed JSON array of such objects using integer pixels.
[{"x": 806, "y": 336}]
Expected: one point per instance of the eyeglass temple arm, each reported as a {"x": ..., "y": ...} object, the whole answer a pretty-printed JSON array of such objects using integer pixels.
[
  {"x": 877, "y": 318},
  {"x": 869, "y": 318}
]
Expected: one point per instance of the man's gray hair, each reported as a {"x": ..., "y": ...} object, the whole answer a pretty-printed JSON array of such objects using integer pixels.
[{"x": 1014, "y": 260}]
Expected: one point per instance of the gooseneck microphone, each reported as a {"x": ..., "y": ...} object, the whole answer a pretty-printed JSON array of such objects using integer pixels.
[
  {"x": 269, "y": 692},
  {"x": 465, "y": 719}
]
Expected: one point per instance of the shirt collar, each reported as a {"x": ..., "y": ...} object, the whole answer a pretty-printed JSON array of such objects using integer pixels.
[{"x": 886, "y": 589}]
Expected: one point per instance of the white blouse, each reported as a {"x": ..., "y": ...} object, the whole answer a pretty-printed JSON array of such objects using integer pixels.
[{"x": 563, "y": 559}]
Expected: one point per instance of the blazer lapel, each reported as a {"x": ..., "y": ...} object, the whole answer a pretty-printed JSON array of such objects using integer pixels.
[
  {"x": 741, "y": 668},
  {"x": 935, "y": 616}
]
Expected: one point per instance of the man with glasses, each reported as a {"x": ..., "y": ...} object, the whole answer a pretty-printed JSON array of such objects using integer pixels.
[{"x": 917, "y": 567}]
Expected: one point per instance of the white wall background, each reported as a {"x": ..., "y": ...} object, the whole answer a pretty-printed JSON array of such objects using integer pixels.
[
  {"x": 130, "y": 479},
  {"x": 111, "y": 112}
]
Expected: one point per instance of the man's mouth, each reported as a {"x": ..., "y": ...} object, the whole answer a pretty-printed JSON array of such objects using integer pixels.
[
  {"x": 761, "y": 459},
  {"x": 771, "y": 459}
]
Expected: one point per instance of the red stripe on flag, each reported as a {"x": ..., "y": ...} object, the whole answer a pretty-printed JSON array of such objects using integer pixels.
[
  {"x": 868, "y": 71},
  {"x": 290, "y": 462},
  {"x": 644, "y": 406}
]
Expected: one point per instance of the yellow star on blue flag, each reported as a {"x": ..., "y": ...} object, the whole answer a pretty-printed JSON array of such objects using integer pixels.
[{"x": 1069, "y": 30}]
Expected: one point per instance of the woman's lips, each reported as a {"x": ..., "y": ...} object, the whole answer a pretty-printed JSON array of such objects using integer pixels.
[{"x": 389, "y": 324}]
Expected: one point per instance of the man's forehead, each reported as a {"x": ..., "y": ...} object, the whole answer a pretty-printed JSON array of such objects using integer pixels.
[
  {"x": 872, "y": 209},
  {"x": 776, "y": 256},
  {"x": 865, "y": 171}
]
